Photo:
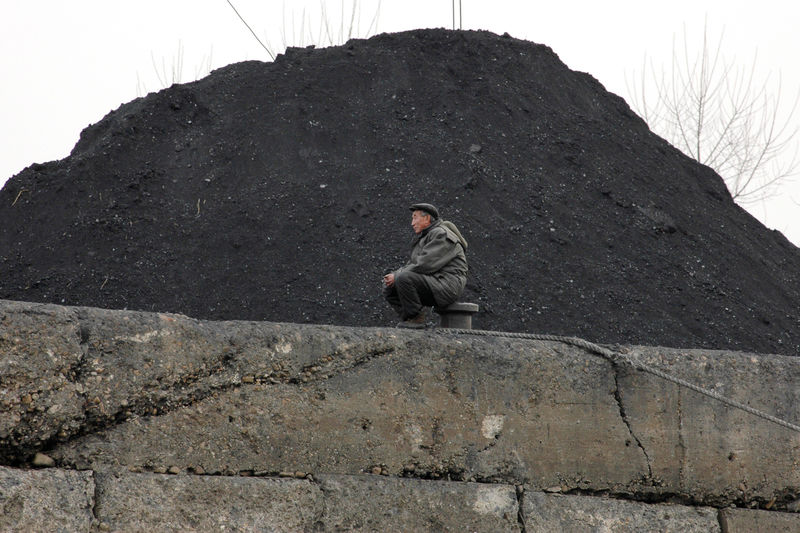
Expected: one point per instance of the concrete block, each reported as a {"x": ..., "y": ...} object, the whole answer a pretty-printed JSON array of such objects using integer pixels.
[
  {"x": 545, "y": 513},
  {"x": 377, "y": 503},
  {"x": 46, "y": 500},
  {"x": 736, "y": 520},
  {"x": 159, "y": 502}
]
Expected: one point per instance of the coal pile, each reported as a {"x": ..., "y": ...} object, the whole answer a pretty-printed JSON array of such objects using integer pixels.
[{"x": 279, "y": 191}]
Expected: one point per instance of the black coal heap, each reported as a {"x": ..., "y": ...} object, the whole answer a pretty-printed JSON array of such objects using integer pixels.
[{"x": 279, "y": 191}]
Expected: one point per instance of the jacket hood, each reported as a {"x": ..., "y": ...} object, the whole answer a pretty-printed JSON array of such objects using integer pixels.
[{"x": 452, "y": 227}]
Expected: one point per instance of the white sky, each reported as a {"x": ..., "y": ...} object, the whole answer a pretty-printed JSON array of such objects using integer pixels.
[{"x": 64, "y": 65}]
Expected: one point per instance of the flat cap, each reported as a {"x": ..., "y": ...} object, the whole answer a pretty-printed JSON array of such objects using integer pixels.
[{"x": 428, "y": 208}]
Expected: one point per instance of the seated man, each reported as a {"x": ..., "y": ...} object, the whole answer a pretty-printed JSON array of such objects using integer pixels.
[{"x": 437, "y": 272}]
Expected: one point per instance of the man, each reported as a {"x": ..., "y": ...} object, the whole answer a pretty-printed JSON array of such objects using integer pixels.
[{"x": 437, "y": 272}]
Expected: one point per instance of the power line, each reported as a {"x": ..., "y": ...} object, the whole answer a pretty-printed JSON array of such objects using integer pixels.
[
  {"x": 251, "y": 30},
  {"x": 460, "y": 25}
]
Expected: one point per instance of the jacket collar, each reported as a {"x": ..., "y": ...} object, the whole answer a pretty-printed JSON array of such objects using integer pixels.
[{"x": 421, "y": 234}]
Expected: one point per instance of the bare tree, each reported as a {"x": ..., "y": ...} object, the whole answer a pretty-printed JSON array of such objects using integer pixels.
[
  {"x": 301, "y": 28},
  {"x": 169, "y": 73},
  {"x": 718, "y": 114},
  {"x": 173, "y": 73}
]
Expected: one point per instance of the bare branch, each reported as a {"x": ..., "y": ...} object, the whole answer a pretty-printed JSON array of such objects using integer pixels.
[{"x": 718, "y": 114}]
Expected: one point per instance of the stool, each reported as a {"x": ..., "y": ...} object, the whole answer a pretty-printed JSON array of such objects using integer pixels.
[{"x": 457, "y": 315}]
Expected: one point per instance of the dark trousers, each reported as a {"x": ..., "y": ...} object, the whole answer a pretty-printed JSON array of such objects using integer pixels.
[{"x": 409, "y": 294}]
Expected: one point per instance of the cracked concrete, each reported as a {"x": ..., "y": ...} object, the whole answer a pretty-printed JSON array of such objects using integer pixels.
[
  {"x": 520, "y": 493},
  {"x": 118, "y": 500},
  {"x": 624, "y": 416},
  {"x": 160, "y": 393},
  {"x": 416, "y": 416},
  {"x": 695, "y": 441}
]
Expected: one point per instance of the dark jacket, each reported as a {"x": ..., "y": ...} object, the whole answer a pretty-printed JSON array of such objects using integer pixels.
[{"x": 438, "y": 252}]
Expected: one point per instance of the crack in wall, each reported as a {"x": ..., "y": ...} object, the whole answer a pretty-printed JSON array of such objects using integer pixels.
[
  {"x": 78, "y": 370},
  {"x": 446, "y": 473},
  {"x": 520, "y": 492},
  {"x": 329, "y": 366},
  {"x": 723, "y": 521},
  {"x": 218, "y": 375},
  {"x": 322, "y": 512},
  {"x": 96, "y": 522},
  {"x": 626, "y": 420},
  {"x": 681, "y": 443}
]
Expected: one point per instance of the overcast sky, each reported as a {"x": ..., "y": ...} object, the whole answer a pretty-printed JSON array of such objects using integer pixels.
[{"x": 65, "y": 65}]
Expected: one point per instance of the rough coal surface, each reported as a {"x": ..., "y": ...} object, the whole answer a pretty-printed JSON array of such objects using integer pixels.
[{"x": 279, "y": 191}]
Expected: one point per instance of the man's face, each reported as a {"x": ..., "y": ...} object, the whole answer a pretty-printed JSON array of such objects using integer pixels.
[{"x": 420, "y": 220}]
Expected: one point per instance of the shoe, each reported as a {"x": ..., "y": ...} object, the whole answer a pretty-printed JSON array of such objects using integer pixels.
[{"x": 415, "y": 322}]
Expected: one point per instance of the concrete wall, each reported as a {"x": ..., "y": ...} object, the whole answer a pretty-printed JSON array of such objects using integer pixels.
[
  {"x": 126, "y": 394},
  {"x": 75, "y": 501}
]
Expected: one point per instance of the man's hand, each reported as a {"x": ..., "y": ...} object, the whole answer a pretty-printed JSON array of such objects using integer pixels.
[{"x": 388, "y": 279}]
